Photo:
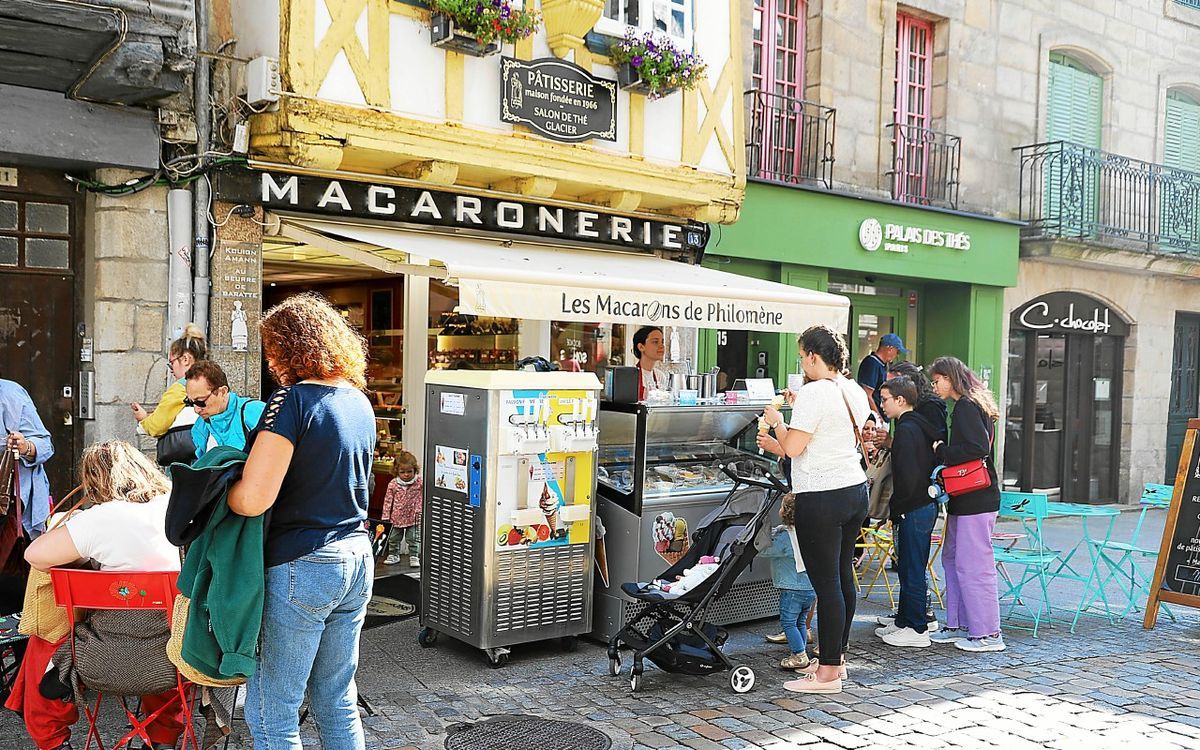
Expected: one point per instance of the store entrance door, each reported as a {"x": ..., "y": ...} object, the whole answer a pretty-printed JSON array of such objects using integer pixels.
[
  {"x": 870, "y": 319},
  {"x": 1185, "y": 387}
]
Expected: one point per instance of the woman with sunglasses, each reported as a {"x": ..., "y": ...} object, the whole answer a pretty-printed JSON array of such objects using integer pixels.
[
  {"x": 170, "y": 413},
  {"x": 223, "y": 417}
]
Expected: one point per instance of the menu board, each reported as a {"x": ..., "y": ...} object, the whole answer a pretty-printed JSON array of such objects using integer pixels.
[{"x": 1177, "y": 576}]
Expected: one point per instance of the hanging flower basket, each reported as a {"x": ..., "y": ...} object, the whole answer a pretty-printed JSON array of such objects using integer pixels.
[
  {"x": 651, "y": 64},
  {"x": 479, "y": 27},
  {"x": 444, "y": 34}
]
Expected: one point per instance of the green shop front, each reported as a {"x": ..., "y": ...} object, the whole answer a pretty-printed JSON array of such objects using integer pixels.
[{"x": 934, "y": 277}]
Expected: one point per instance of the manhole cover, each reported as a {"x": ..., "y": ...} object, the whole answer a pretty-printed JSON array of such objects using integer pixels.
[{"x": 526, "y": 733}]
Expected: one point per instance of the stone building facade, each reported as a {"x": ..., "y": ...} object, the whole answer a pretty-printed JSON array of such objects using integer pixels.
[{"x": 1109, "y": 205}]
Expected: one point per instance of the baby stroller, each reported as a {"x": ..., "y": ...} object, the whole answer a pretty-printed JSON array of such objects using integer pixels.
[{"x": 673, "y": 632}]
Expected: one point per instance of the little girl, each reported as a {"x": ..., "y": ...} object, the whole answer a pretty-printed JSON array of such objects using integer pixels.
[
  {"x": 402, "y": 506},
  {"x": 796, "y": 595}
]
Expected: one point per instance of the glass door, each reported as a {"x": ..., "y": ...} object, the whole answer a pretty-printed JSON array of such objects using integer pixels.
[
  {"x": 871, "y": 319},
  {"x": 1049, "y": 419}
]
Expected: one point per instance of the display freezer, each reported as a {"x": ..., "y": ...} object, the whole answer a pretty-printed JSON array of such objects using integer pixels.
[{"x": 659, "y": 475}]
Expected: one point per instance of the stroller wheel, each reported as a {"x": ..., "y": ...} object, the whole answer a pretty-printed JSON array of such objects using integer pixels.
[
  {"x": 614, "y": 666},
  {"x": 427, "y": 637},
  {"x": 742, "y": 680},
  {"x": 635, "y": 682}
]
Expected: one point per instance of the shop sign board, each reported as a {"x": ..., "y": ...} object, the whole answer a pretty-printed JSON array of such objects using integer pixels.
[
  {"x": 896, "y": 238},
  {"x": 558, "y": 100},
  {"x": 456, "y": 211},
  {"x": 1176, "y": 577},
  {"x": 1069, "y": 312}
]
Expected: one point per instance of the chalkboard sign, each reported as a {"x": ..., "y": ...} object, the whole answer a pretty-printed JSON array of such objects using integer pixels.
[{"x": 1177, "y": 576}]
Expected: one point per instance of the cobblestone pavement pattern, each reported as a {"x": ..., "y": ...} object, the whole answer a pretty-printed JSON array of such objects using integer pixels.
[{"x": 1107, "y": 686}]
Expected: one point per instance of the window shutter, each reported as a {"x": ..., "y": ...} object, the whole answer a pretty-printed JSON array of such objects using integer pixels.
[
  {"x": 1181, "y": 138},
  {"x": 1179, "y": 209},
  {"x": 1074, "y": 108}
]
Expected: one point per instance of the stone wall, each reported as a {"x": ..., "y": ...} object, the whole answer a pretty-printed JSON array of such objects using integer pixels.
[
  {"x": 989, "y": 77},
  {"x": 125, "y": 305}
]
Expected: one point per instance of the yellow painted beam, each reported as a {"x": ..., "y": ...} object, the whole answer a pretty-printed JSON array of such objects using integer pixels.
[
  {"x": 455, "y": 87},
  {"x": 637, "y": 124},
  {"x": 437, "y": 172},
  {"x": 536, "y": 187},
  {"x": 620, "y": 200}
]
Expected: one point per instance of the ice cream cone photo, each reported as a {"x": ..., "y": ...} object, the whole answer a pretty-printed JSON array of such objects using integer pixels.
[
  {"x": 671, "y": 537},
  {"x": 549, "y": 505}
]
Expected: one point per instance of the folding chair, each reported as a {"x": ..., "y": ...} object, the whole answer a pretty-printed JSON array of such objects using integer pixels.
[
  {"x": 12, "y": 649},
  {"x": 877, "y": 546},
  {"x": 1123, "y": 559},
  {"x": 1036, "y": 560},
  {"x": 120, "y": 590}
]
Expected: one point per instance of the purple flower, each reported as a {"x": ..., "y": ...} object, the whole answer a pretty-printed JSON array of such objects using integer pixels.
[
  {"x": 636, "y": 61},
  {"x": 650, "y": 47},
  {"x": 495, "y": 3},
  {"x": 479, "y": 9},
  {"x": 504, "y": 12}
]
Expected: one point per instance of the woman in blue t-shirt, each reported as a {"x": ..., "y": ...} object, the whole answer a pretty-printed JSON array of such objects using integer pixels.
[{"x": 310, "y": 465}]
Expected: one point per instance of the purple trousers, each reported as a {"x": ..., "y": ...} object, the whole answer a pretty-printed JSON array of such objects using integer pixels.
[{"x": 970, "y": 568}]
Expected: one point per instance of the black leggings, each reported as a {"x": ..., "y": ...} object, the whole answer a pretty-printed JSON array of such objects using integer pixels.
[{"x": 827, "y": 528}]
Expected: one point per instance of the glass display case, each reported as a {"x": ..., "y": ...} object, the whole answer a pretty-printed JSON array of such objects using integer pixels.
[
  {"x": 659, "y": 476},
  {"x": 649, "y": 453}
]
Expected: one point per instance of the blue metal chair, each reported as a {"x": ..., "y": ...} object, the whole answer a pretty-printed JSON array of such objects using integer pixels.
[
  {"x": 1034, "y": 557},
  {"x": 1124, "y": 561}
]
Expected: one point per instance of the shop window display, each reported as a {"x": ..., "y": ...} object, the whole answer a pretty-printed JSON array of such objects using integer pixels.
[{"x": 588, "y": 347}]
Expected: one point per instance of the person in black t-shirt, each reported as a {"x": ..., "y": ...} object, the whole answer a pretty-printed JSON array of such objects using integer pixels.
[{"x": 873, "y": 370}]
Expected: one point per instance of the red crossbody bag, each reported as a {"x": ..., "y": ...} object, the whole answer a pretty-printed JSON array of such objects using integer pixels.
[{"x": 968, "y": 476}]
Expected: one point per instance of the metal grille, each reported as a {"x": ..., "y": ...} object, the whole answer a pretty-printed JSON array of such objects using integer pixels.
[
  {"x": 925, "y": 166},
  {"x": 540, "y": 587},
  {"x": 790, "y": 140},
  {"x": 752, "y": 600},
  {"x": 451, "y": 564}
]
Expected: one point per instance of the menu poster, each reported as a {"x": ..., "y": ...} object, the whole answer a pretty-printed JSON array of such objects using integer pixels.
[
  {"x": 450, "y": 468},
  {"x": 1177, "y": 575}
]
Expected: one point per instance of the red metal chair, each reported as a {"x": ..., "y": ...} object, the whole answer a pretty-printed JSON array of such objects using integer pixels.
[{"x": 92, "y": 589}]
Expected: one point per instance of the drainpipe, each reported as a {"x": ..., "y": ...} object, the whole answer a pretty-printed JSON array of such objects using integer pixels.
[
  {"x": 179, "y": 276},
  {"x": 201, "y": 189}
]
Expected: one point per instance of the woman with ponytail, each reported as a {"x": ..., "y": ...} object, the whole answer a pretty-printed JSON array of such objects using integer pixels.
[
  {"x": 830, "y": 489},
  {"x": 170, "y": 415},
  {"x": 972, "y": 608}
]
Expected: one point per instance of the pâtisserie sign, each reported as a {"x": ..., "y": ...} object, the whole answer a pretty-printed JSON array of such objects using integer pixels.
[
  {"x": 558, "y": 100},
  {"x": 458, "y": 211}
]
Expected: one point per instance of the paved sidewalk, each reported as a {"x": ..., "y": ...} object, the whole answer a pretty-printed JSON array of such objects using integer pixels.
[{"x": 1107, "y": 686}]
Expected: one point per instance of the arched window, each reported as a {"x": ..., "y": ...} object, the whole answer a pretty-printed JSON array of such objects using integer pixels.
[
  {"x": 1074, "y": 103},
  {"x": 1179, "y": 196}
]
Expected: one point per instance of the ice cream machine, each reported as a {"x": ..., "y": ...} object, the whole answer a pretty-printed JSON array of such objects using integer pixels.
[{"x": 508, "y": 522}]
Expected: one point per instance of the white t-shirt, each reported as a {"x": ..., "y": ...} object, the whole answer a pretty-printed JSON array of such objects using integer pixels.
[
  {"x": 125, "y": 536},
  {"x": 653, "y": 380},
  {"x": 831, "y": 461}
]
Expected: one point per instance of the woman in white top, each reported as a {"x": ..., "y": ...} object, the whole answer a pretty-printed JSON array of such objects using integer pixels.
[
  {"x": 650, "y": 348},
  {"x": 831, "y": 493},
  {"x": 124, "y": 529}
]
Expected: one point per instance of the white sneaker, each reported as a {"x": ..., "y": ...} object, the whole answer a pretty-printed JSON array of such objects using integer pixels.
[
  {"x": 907, "y": 638},
  {"x": 392, "y": 560},
  {"x": 886, "y": 630},
  {"x": 414, "y": 561},
  {"x": 986, "y": 643},
  {"x": 931, "y": 625},
  {"x": 949, "y": 635}
]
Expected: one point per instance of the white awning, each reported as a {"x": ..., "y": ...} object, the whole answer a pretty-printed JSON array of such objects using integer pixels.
[{"x": 518, "y": 280}]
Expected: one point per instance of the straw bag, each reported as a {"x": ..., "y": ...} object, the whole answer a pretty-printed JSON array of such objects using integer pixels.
[
  {"x": 41, "y": 616},
  {"x": 179, "y": 619}
]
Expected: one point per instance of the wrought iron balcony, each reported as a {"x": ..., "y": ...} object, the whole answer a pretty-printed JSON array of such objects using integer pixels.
[
  {"x": 790, "y": 140},
  {"x": 1073, "y": 191},
  {"x": 924, "y": 166}
]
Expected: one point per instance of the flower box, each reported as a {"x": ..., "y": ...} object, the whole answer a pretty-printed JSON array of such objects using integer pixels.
[
  {"x": 629, "y": 78},
  {"x": 442, "y": 33}
]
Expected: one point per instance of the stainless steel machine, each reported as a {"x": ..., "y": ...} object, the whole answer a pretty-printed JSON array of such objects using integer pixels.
[
  {"x": 659, "y": 475},
  {"x": 508, "y": 523}
]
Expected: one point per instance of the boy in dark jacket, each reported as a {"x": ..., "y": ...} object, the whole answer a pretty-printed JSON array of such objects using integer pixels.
[{"x": 913, "y": 512}]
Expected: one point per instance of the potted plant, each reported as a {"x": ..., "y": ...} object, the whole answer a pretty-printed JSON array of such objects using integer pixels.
[
  {"x": 649, "y": 63},
  {"x": 479, "y": 27}
]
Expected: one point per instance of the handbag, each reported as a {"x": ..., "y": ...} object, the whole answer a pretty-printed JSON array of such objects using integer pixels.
[
  {"x": 879, "y": 481},
  {"x": 969, "y": 476},
  {"x": 176, "y": 446},
  {"x": 8, "y": 479},
  {"x": 41, "y": 616},
  {"x": 12, "y": 531}
]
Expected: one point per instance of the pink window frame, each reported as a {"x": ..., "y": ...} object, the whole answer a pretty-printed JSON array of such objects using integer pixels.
[
  {"x": 782, "y": 136},
  {"x": 914, "y": 98}
]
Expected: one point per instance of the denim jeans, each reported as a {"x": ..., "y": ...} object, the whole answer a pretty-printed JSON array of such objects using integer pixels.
[
  {"x": 913, "y": 532},
  {"x": 312, "y": 617},
  {"x": 827, "y": 528},
  {"x": 793, "y": 616}
]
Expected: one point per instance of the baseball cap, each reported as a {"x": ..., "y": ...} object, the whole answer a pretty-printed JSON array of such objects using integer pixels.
[{"x": 891, "y": 339}]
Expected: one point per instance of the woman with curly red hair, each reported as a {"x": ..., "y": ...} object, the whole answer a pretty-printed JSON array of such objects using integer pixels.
[{"x": 310, "y": 465}]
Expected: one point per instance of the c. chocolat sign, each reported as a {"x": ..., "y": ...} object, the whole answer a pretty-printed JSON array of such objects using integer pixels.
[
  {"x": 558, "y": 100},
  {"x": 1069, "y": 312},
  {"x": 457, "y": 211}
]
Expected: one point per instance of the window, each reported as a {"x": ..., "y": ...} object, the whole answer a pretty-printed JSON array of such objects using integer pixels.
[
  {"x": 779, "y": 47},
  {"x": 670, "y": 17},
  {"x": 1074, "y": 107},
  {"x": 1181, "y": 139},
  {"x": 1179, "y": 194},
  {"x": 34, "y": 234},
  {"x": 914, "y": 70}
]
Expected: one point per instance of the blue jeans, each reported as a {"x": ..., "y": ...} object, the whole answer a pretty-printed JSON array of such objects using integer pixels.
[
  {"x": 793, "y": 616},
  {"x": 312, "y": 618},
  {"x": 913, "y": 531}
]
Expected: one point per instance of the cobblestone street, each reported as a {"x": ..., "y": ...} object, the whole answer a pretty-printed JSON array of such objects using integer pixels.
[{"x": 1106, "y": 686}]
